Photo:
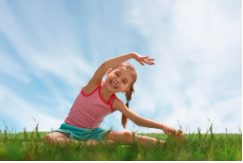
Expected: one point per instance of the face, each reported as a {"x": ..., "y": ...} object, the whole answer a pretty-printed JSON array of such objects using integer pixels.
[{"x": 121, "y": 78}]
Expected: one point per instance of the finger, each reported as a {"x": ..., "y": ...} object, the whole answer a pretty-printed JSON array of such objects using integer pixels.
[
  {"x": 146, "y": 61},
  {"x": 151, "y": 63},
  {"x": 167, "y": 133},
  {"x": 176, "y": 136},
  {"x": 173, "y": 131}
]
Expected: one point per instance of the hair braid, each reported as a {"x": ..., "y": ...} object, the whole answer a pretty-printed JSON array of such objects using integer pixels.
[{"x": 128, "y": 98}]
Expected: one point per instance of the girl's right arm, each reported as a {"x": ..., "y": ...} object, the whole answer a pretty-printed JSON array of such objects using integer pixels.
[
  {"x": 98, "y": 75},
  {"x": 101, "y": 71},
  {"x": 113, "y": 62},
  {"x": 122, "y": 58}
]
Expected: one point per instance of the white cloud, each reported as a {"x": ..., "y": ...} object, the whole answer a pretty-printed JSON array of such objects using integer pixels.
[
  {"x": 53, "y": 55},
  {"x": 13, "y": 68},
  {"x": 23, "y": 112},
  {"x": 196, "y": 46},
  {"x": 49, "y": 48},
  {"x": 49, "y": 56}
]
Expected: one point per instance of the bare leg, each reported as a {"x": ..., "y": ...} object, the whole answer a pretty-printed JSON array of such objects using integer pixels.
[
  {"x": 65, "y": 141},
  {"x": 145, "y": 140},
  {"x": 57, "y": 137},
  {"x": 126, "y": 137}
]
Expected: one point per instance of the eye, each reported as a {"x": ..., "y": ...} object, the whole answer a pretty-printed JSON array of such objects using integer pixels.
[{"x": 122, "y": 80}]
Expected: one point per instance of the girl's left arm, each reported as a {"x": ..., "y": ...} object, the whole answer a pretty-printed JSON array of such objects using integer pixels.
[
  {"x": 167, "y": 130},
  {"x": 149, "y": 123},
  {"x": 140, "y": 121}
]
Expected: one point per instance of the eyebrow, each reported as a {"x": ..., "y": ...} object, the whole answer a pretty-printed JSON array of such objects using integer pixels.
[{"x": 125, "y": 78}]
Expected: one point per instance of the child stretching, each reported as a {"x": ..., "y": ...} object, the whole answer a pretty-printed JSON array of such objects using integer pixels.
[{"x": 98, "y": 99}]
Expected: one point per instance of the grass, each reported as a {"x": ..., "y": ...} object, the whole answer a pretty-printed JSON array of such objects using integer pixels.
[{"x": 196, "y": 147}]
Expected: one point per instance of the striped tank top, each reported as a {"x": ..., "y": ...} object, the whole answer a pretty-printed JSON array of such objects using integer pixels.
[{"x": 88, "y": 111}]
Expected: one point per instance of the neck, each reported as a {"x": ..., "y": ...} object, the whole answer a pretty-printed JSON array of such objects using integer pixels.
[{"x": 105, "y": 93}]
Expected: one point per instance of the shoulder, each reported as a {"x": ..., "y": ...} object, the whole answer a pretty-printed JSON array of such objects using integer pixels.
[
  {"x": 121, "y": 106},
  {"x": 91, "y": 87},
  {"x": 117, "y": 103}
]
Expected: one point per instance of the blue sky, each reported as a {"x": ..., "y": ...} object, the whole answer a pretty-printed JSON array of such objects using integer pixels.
[{"x": 50, "y": 49}]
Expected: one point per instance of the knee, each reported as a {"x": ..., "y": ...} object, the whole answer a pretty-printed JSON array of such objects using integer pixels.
[
  {"x": 127, "y": 134},
  {"x": 47, "y": 138}
]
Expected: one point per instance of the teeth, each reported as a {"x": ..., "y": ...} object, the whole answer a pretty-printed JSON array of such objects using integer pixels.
[{"x": 113, "y": 84}]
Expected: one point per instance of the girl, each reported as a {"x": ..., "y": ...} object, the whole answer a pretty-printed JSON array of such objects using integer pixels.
[{"x": 98, "y": 99}]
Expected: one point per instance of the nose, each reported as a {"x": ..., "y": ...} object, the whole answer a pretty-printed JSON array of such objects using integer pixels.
[{"x": 117, "y": 80}]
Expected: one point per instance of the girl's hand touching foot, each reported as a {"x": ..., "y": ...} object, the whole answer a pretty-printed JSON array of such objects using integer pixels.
[{"x": 169, "y": 130}]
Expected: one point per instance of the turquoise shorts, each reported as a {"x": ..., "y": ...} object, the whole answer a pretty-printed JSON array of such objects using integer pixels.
[{"x": 82, "y": 134}]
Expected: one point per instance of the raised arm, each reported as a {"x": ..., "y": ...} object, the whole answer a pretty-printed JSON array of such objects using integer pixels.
[
  {"x": 113, "y": 62},
  {"x": 122, "y": 58},
  {"x": 101, "y": 71}
]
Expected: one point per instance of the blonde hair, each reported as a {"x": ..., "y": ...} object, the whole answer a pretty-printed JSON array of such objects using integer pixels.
[{"x": 128, "y": 94}]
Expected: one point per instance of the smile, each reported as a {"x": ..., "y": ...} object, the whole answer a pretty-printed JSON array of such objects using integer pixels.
[{"x": 113, "y": 85}]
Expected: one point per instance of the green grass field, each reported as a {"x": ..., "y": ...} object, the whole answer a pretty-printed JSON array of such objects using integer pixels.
[{"x": 196, "y": 146}]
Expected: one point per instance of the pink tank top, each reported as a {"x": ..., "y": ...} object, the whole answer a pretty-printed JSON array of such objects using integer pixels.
[{"x": 88, "y": 111}]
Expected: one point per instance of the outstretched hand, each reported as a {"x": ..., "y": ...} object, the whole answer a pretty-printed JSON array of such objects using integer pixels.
[
  {"x": 142, "y": 59},
  {"x": 169, "y": 130}
]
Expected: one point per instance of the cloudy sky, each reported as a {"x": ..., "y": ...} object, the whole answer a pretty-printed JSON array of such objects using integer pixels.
[{"x": 50, "y": 49}]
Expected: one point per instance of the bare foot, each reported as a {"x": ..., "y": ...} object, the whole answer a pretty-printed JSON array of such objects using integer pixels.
[
  {"x": 110, "y": 142},
  {"x": 91, "y": 142},
  {"x": 95, "y": 142}
]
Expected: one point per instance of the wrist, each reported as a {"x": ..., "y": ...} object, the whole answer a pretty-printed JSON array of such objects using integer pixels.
[
  {"x": 132, "y": 55},
  {"x": 162, "y": 127}
]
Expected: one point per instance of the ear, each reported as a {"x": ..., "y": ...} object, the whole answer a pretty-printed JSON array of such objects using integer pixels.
[
  {"x": 108, "y": 72},
  {"x": 125, "y": 90}
]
